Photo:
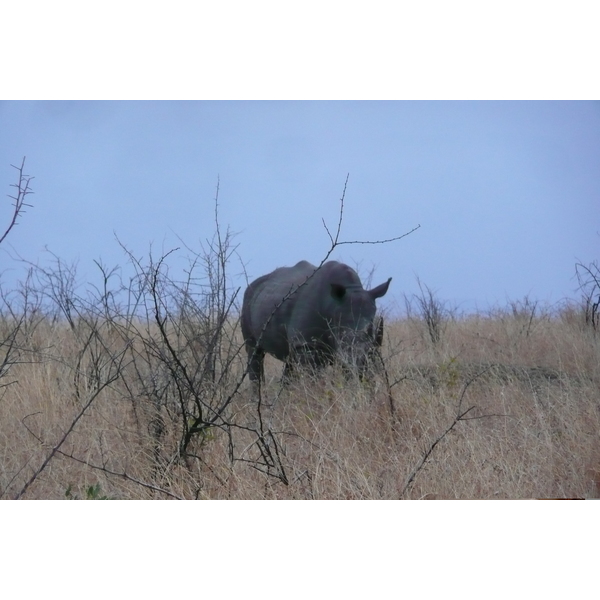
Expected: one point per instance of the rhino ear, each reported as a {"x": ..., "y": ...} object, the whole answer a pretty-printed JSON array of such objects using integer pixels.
[
  {"x": 380, "y": 290},
  {"x": 338, "y": 291}
]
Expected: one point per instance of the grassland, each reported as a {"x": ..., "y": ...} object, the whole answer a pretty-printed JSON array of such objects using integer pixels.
[{"x": 498, "y": 405}]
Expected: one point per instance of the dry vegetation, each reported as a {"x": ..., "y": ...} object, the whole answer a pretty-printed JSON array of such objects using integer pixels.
[
  {"x": 136, "y": 389},
  {"x": 530, "y": 376}
]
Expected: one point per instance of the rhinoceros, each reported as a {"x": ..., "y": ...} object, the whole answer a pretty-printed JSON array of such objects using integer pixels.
[{"x": 306, "y": 315}]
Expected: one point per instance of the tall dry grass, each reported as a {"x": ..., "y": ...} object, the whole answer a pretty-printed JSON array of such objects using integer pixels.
[{"x": 530, "y": 379}]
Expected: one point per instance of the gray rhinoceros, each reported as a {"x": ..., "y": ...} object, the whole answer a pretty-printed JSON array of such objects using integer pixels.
[{"x": 308, "y": 315}]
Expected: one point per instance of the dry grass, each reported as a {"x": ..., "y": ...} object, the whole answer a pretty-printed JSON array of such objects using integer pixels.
[{"x": 534, "y": 430}]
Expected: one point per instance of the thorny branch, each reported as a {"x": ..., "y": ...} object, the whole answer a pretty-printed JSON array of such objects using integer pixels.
[
  {"x": 19, "y": 204},
  {"x": 335, "y": 240},
  {"x": 122, "y": 475},
  {"x": 460, "y": 416}
]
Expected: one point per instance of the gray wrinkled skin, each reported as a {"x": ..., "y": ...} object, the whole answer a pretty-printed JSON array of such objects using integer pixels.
[{"x": 330, "y": 316}]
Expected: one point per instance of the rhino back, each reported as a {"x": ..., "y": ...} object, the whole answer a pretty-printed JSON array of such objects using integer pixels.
[{"x": 263, "y": 303}]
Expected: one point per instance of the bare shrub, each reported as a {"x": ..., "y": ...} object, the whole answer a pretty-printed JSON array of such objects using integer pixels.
[
  {"x": 430, "y": 309},
  {"x": 153, "y": 361},
  {"x": 15, "y": 316},
  {"x": 524, "y": 312},
  {"x": 588, "y": 278}
]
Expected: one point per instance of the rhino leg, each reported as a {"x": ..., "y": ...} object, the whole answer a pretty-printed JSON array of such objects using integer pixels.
[
  {"x": 288, "y": 371},
  {"x": 305, "y": 357},
  {"x": 374, "y": 352},
  {"x": 296, "y": 360},
  {"x": 256, "y": 362}
]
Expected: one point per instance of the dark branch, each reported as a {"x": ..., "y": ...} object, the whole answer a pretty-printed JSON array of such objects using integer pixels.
[{"x": 19, "y": 204}]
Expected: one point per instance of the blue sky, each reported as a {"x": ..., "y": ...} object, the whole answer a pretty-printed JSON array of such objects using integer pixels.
[{"x": 507, "y": 194}]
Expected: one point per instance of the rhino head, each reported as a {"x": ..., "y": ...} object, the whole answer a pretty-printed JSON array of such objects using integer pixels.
[{"x": 356, "y": 332}]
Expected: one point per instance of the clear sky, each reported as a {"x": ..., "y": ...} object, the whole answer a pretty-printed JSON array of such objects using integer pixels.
[{"x": 507, "y": 194}]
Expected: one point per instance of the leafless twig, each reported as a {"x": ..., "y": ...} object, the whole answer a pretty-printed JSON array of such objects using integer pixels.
[
  {"x": 121, "y": 474},
  {"x": 588, "y": 277},
  {"x": 101, "y": 385},
  {"x": 19, "y": 204},
  {"x": 460, "y": 416}
]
